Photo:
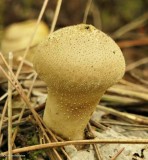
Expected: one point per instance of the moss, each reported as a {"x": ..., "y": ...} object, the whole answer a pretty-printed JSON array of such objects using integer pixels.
[
  {"x": 35, "y": 155},
  {"x": 33, "y": 140}
]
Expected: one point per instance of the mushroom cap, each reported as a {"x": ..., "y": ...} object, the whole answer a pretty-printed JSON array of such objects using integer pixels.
[
  {"x": 79, "y": 58},
  {"x": 17, "y": 35}
]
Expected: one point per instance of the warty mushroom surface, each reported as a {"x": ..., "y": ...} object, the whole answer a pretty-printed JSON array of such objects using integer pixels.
[{"x": 78, "y": 63}]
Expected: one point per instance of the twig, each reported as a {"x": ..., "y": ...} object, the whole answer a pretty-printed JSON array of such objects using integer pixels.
[
  {"x": 137, "y": 64},
  {"x": 122, "y": 124},
  {"x": 32, "y": 84},
  {"x": 3, "y": 96},
  {"x": 38, "y": 84},
  {"x": 23, "y": 109},
  {"x": 98, "y": 125},
  {"x": 32, "y": 36},
  {"x": 10, "y": 111},
  {"x": 31, "y": 75},
  {"x": 131, "y": 43},
  {"x": 56, "y": 15},
  {"x": 55, "y": 139},
  {"x": 26, "y": 62},
  {"x": 133, "y": 85},
  {"x": 18, "y": 87},
  {"x": 65, "y": 153},
  {"x": 130, "y": 26},
  {"x": 127, "y": 92},
  {"x": 117, "y": 154},
  {"x": 97, "y": 150},
  {"x": 126, "y": 116},
  {"x": 3, "y": 115},
  {"x": 96, "y": 16},
  {"x": 135, "y": 76},
  {"x": 78, "y": 142},
  {"x": 28, "y": 112},
  {"x": 116, "y": 99},
  {"x": 87, "y": 10},
  {"x": 1, "y": 139},
  {"x": 47, "y": 138},
  {"x": 53, "y": 149},
  {"x": 136, "y": 129},
  {"x": 16, "y": 123}
]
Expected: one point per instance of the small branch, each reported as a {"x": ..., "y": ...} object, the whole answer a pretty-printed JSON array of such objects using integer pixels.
[
  {"x": 3, "y": 96},
  {"x": 54, "y": 138},
  {"x": 28, "y": 112},
  {"x": 130, "y": 26},
  {"x": 133, "y": 85},
  {"x": 127, "y": 92},
  {"x": 1, "y": 139},
  {"x": 3, "y": 115},
  {"x": 23, "y": 109},
  {"x": 10, "y": 111},
  {"x": 78, "y": 142},
  {"x": 138, "y": 78},
  {"x": 18, "y": 87},
  {"x": 116, "y": 99},
  {"x": 56, "y": 16},
  {"x": 87, "y": 11},
  {"x": 117, "y": 154},
  {"x": 16, "y": 124},
  {"x": 96, "y": 16},
  {"x": 97, "y": 150},
  {"x": 32, "y": 36},
  {"x": 137, "y": 64},
  {"x": 113, "y": 122},
  {"x": 98, "y": 125},
  {"x": 126, "y": 116},
  {"x": 131, "y": 43}
]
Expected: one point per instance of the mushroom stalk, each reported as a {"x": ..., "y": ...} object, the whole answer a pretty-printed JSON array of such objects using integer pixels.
[
  {"x": 78, "y": 63},
  {"x": 69, "y": 115}
]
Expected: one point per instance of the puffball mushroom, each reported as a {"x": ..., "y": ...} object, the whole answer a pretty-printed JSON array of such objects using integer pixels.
[
  {"x": 78, "y": 64},
  {"x": 17, "y": 36}
]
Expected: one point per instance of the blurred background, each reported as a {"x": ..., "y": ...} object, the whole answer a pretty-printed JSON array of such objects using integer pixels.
[
  {"x": 125, "y": 21},
  {"x": 104, "y": 14}
]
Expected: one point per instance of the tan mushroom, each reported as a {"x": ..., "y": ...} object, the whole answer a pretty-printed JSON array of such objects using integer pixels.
[
  {"x": 78, "y": 64},
  {"x": 17, "y": 37}
]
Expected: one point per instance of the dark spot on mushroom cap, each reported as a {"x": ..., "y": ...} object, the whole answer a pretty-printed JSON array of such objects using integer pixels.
[{"x": 86, "y": 27}]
